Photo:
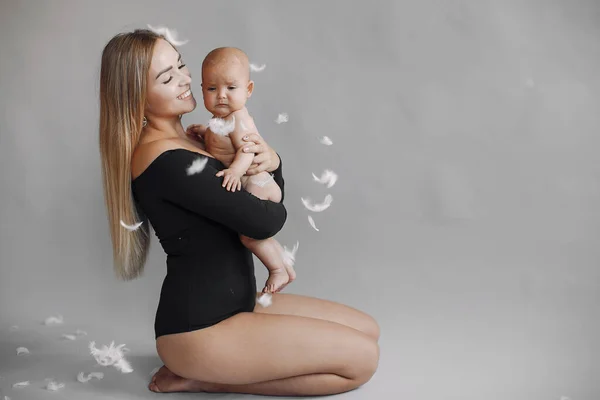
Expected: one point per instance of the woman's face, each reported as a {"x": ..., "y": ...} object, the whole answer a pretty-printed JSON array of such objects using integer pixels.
[{"x": 169, "y": 91}]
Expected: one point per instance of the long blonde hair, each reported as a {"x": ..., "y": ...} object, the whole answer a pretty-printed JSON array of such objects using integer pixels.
[{"x": 125, "y": 63}]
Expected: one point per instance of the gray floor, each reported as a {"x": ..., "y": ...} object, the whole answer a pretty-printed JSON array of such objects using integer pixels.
[{"x": 465, "y": 217}]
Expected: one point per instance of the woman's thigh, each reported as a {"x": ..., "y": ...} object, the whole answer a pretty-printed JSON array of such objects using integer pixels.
[
  {"x": 312, "y": 307},
  {"x": 253, "y": 347}
]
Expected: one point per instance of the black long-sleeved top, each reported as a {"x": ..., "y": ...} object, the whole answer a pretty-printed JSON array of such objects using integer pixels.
[{"x": 210, "y": 274}]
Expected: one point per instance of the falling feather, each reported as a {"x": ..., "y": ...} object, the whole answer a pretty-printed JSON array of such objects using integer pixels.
[
  {"x": 169, "y": 34},
  {"x": 14, "y": 328},
  {"x": 326, "y": 141},
  {"x": 265, "y": 300},
  {"x": 289, "y": 256},
  {"x": 197, "y": 165},
  {"x": 244, "y": 129},
  {"x": 6, "y": 398},
  {"x": 317, "y": 207},
  {"x": 22, "y": 350},
  {"x": 257, "y": 68},
  {"x": 282, "y": 117},
  {"x": 68, "y": 336},
  {"x": 111, "y": 355},
  {"x": 20, "y": 384},
  {"x": 79, "y": 332},
  {"x": 131, "y": 227},
  {"x": 54, "y": 386},
  {"x": 52, "y": 320},
  {"x": 327, "y": 177},
  {"x": 311, "y": 221},
  {"x": 221, "y": 126},
  {"x": 82, "y": 378}
]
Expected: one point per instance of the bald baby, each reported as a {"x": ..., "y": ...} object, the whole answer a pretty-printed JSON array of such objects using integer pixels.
[{"x": 226, "y": 86}]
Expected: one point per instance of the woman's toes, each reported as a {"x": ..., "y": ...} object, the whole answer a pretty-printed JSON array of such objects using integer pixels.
[{"x": 153, "y": 387}]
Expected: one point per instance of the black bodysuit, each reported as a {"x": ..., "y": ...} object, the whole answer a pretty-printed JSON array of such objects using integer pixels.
[{"x": 210, "y": 274}]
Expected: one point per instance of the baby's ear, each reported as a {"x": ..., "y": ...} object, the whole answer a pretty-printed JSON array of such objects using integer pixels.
[{"x": 250, "y": 88}]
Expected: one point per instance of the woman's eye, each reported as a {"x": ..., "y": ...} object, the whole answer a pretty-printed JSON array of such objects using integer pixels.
[{"x": 165, "y": 82}]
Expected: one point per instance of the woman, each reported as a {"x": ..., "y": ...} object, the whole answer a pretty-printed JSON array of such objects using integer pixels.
[{"x": 210, "y": 334}]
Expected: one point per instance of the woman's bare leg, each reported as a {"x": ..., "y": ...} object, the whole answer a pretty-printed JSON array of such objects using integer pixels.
[
  {"x": 312, "y": 357},
  {"x": 312, "y": 307}
]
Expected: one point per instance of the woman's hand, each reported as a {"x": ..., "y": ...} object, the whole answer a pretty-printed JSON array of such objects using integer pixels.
[{"x": 265, "y": 158}]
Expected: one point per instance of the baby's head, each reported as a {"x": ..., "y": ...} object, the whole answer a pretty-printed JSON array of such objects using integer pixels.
[{"x": 226, "y": 83}]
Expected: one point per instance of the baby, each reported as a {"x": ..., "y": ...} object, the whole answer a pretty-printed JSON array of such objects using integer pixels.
[{"x": 226, "y": 86}]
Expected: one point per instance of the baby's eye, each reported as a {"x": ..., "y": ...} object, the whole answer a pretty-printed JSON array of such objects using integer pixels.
[
  {"x": 231, "y": 87},
  {"x": 210, "y": 89},
  {"x": 165, "y": 82},
  {"x": 181, "y": 66}
]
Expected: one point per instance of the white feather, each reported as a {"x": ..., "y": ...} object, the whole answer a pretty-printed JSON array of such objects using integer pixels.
[
  {"x": 54, "y": 386},
  {"x": 123, "y": 366},
  {"x": 131, "y": 227},
  {"x": 265, "y": 300},
  {"x": 311, "y": 221},
  {"x": 14, "y": 328},
  {"x": 530, "y": 83},
  {"x": 257, "y": 68},
  {"x": 82, "y": 378},
  {"x": 282, "y": 117},
  {"x": 244, "y": 129},
  {"x": 6, "y": 398},
  {"x": 68, "y": 336},
  {"x": 169, "y": 34},
  {"x": 317, "y": 207},
  {"x": 22, "y": 350},
  {"x": 255, "y": 179},
  {"x": 221, "y": 126},
  {"x": 21, "y": 384},
  {"x": 289, "y": 256},
  {"x": 327, "y": 177},
  {"x": 197, "y": 165},
  {"x": 326, "y": 141},
  {"x": 54, "y": 320},
  {"x": 79, "y": 332},
  {"x": 111, "y": 355}
]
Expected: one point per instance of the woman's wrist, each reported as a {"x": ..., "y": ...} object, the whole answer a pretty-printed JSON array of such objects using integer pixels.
[{"x": 277, "y": 163}]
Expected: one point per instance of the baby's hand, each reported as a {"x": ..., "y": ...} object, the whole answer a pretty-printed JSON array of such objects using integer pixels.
[{"x": 232, "y": 179}]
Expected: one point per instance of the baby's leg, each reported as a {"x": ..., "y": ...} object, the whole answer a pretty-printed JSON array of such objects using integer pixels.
[{"x": 268, "y": 251}]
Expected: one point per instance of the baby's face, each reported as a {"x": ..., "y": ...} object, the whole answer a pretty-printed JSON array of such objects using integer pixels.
[{"x": 225, "y": 88}]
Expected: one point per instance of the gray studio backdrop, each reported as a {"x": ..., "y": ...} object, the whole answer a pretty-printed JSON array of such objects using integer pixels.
[{"x": 466, "y": 216}]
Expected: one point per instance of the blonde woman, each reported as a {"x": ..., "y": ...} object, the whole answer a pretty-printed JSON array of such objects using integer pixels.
[{"x": 210, "y": 334}]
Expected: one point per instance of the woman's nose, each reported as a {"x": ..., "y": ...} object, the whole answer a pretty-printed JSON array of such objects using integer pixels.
[{"x": 185, "y": 80}]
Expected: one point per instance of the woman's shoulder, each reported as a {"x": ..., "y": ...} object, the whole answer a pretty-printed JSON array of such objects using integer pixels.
[{"x": 146, "y": 153}]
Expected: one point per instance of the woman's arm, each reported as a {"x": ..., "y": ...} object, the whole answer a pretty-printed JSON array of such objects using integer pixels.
[{"x": 203, "y": 194}]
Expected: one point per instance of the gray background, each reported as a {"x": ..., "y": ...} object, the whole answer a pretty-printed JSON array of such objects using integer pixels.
[{"x": 465, "y": 218}]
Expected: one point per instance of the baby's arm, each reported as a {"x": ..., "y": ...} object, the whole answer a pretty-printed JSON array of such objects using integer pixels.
[{"x": 242, "y": 161}]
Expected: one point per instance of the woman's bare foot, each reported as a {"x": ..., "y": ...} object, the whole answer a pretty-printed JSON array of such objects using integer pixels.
[
  {"x": 165, "y": 381},
  {"x": 277, "y": 280}
]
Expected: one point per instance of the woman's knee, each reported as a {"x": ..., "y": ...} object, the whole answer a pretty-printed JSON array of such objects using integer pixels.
[
  {"x": 372, "y": 327},
  {"x": 367, "y": 361}
]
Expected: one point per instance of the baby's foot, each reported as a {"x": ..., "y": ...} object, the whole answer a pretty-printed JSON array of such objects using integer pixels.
[
  {"x": 166, "y": 381},
  {"x": 278, "y": 278}
]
